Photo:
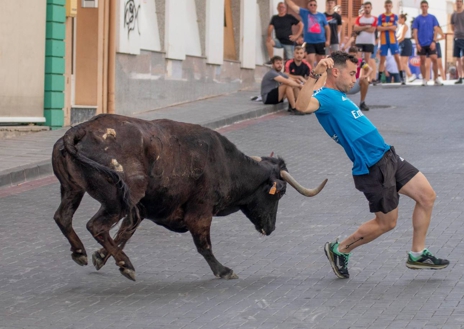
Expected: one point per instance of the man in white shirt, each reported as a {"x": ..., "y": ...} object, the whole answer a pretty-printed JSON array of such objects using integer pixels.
[{"x": 365, "y": 25}]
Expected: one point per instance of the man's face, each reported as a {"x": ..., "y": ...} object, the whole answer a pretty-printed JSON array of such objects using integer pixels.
[
  {"x": 312, "y": 6},
  {"x": 459, "y": 4},
  {"x": 282, "y": 9},
  {"x": 388, "y": 7},
  {"x": 367, "y": 9},
  {"x": 277, "y": 66},
  {"x": 299, "y": 55},
  {"x": 330, "y": 5},
  {"x": 424, "y": 8},
  {"x": 345, "y": 77}
]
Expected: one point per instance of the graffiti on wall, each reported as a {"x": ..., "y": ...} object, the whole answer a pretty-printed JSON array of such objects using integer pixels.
[
  {"x": 131, "y": 15},
  {"x": 137, "y": 26}
]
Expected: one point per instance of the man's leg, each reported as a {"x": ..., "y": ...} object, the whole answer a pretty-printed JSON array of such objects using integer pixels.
[
  {"x": 364, "y": 87},
  {"x": 288, "y": 51},
  {"x": 287, "y": 92},
  {"x": 434, "y": 60},
  {"x": 423, "y": 59},
  {"x": 381, "y": 67},
  {"x": 420, "y": 190},
  {"x": 400, "y": 69},
  {"x": 270, "y": 48},
  {"x": 311, "y": 58},
  {"x": 459, "y": 67}
]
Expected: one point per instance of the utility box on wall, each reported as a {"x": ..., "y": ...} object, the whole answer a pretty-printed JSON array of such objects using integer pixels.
[
  {"x": 89, "y": 3},
  {"x": 71, "y": 8}
]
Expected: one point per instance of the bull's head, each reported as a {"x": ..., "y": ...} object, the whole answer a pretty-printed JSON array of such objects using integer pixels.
[{"x": 261, "y": 207}]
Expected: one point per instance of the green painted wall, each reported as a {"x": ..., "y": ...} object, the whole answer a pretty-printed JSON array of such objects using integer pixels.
[{"x": 55, "y": 64}]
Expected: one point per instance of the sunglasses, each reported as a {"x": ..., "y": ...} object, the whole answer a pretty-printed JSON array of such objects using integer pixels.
[{"x": 313, "y": 5}]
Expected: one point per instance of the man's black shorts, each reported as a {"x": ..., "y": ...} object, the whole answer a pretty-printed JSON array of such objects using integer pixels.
[
  {"x": 426, "y": 51},
  {"x": 317, "y": 48},
  {"x": 273, "y": 97},
  {"x": 366, "y": 47},
  {"x": 384, "y": 180}
]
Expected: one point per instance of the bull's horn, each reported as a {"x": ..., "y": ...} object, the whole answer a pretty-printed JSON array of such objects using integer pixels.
[
  {"x": 258, "y": 159},
  {"x": 302, "y": 190}
]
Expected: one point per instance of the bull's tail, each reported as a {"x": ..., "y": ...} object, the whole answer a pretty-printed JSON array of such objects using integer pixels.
[{"x": 70, "y": 139}]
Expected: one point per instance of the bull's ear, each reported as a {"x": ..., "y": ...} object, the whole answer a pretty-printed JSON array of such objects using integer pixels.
[{"x": 273, "y": 189}]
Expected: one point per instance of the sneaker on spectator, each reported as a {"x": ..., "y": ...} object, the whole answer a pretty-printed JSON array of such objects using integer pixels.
[
  {"x": 426, "y": 261},
  {"x": 338, "y": 260},
  {"x": 459, "y": 82},
  {"x": 424, "y": 82},
  {"x": 268, "y": 63},
  {"x": 363, "y": 107},
  {"x": 438, "y": 82},
  {"x": 412, "y": 78}
]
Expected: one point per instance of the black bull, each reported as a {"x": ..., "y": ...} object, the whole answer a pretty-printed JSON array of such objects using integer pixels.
[{"x": 177, "y": 175}]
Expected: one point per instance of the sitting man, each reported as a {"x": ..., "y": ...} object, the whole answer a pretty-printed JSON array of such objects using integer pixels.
[
  {"x": 362, "y": 78},
  {"x": 276, "y": 86},
  {"x": 297, "y": 68}
]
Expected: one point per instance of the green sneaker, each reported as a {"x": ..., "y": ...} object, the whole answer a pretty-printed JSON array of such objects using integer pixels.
[
  {"x": 426, "y": 261},
  {"x": 338, "y": 260}
]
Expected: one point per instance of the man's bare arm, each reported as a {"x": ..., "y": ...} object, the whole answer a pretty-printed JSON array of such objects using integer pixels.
[
  {"x": 306, "y": 103},
  {"x": 293, "y": 6}
]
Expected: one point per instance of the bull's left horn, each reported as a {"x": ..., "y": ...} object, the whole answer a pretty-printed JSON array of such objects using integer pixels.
[
  {"x": 258, "y": 159},
  {"x": 302, "y": 190}
]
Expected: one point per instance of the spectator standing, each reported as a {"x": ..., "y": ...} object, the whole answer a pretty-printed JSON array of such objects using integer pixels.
[
  {"x": 276, "y": 86},
  {"x": 297, "y": 68},
  {"x": 366, "y": 25},
  {"x": 362, "y": 78},
  {"x": 282, "y": 24},
  {"x": 457, "y": 25},
  {"x": 403, "y": 35},
  {"x": 386, "y": 25},
  {"x": 335, "y": 24},
  {"x": 342, "y": 35},
  {"x": 316, "y": 30},
  {"x": 425, "y": 33}
]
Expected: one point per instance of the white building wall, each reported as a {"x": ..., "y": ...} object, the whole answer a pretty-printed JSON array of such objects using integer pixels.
[{"x": 248, "y": 33}]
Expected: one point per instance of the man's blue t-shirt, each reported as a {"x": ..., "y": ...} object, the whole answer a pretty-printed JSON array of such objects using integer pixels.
[
  {"x": 425, "y": 26},
  {"x": 314, "y": 26},
  {"x": 346, "y": 124}
]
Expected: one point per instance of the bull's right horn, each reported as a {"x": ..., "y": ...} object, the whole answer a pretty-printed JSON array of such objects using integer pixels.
[
  {"x": 302, "y": 190},
  {"x": 257, "y": 159}
]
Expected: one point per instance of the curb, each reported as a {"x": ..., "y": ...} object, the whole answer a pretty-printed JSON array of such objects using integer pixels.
[{"x": 40, "y": 169}]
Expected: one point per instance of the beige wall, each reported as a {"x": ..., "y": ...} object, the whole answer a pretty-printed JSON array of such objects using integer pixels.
[{"x": 22, "y": 58}]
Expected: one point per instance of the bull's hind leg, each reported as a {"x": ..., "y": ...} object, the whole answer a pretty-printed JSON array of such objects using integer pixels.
[
  {"x": 200, "y": 230},
  {"x": 125, "y": 232},
  {"x": 100, "y": 226},
  {"x": 71, "y": 197}
]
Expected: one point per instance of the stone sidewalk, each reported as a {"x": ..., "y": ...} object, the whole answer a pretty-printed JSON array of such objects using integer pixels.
[{"x": 29, "y": 157}]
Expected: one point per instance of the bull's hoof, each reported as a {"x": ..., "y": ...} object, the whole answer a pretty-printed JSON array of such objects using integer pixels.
[
  {"x": 79, "y": 258},
  {"x": 130, "y": 274},
  {"x": 228, "y": 275},
  {"x": 97, "y": 260}
]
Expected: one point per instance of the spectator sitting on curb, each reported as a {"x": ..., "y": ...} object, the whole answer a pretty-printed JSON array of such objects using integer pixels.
[
  {"x": 276, "y": 86},
  {"x": 297, "y": 68},
  {"x": 362, "y": 78},
  {"x": 282, "y": 25}
]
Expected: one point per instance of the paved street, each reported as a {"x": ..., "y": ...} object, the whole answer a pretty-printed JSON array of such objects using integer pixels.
[{"x": 285, "y": 280}]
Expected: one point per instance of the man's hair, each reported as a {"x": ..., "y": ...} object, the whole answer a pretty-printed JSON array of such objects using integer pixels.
[
  {"x": 275, "y": 59},
  {"x": 298, "y": 48},
  {"x": 340, "y": 58},
  {"x": 312, "y": 1},
  {"x": 388, "y": 1},
  {"x": 423, "y": 1},
  {"x": 281, "y": 3},
  {"x": 367, "y": 3},
  {"x": 353, "y": 50}
]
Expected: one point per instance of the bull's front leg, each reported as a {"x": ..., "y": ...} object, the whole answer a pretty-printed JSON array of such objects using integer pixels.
[{"x": 200, "y": 230}]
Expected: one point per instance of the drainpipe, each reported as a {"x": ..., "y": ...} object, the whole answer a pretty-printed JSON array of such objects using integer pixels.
[{"x": 111, "y": 55}]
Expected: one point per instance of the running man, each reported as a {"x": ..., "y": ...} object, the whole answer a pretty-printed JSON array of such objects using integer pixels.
[
  {"x": 377, "y": 170},
  {"x": 386, "y": 25}
]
